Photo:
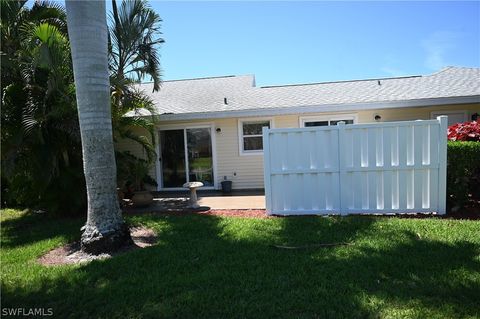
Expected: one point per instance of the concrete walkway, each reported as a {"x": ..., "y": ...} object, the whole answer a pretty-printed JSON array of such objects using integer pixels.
[{"x": 233, "y": 202}]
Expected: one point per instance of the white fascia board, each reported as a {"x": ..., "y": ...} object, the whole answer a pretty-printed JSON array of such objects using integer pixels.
[{"x": 320, "y": 108}]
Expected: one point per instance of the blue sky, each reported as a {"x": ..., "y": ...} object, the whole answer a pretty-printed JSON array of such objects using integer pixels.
[
  {"x": 298, "y": 42},
  {"x": 315, "y": 41}
]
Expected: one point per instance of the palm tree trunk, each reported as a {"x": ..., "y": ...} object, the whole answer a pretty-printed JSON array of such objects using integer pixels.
[{"x": 105, "y": 229}]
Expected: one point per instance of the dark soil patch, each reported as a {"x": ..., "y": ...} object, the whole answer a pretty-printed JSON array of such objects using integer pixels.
[
  {"x": 470, "y": 211},
  {"x": 71, "y": 253}
]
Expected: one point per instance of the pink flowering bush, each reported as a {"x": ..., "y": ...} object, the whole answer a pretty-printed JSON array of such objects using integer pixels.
[{"x": 468, "y": 131}]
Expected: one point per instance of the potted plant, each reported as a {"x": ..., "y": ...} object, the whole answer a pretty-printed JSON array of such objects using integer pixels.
[
  {"x": 139, "y": 178},
  {"x": 133, "y": 177}
]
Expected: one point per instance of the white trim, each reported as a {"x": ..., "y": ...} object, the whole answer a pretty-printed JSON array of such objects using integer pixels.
[
  {"x": 185, "y": 149},
  {"x": 181, "y": 126},
  {"x": 266, "y": 170},
  {"x": 184, "y": 127},
  {"x": 442, "y": 173},
  {"x": 304, "y": 109},
  {"x": 158, "y": 167},
  {"x": 240, "y": 122},
  {"x": 213, "y": 134},
  {"x": 332, "y": 117},
  {"x": 436, "y": 114}
]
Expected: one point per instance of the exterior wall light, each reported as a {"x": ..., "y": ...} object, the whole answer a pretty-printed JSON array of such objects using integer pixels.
[{"x": 218, "y": 130}]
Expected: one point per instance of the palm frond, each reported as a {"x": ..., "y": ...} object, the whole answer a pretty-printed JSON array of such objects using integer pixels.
[
  {"x": 135, "y": 38},
  {"x": 51, "y": 12}
]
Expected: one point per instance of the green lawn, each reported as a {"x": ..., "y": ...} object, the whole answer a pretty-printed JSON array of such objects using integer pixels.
[{"x": 211, "y": 267}]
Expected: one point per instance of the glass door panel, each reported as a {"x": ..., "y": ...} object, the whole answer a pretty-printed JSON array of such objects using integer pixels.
[
  {"x": 172, "y": 144},
  {"x": 199, "y": 149}
]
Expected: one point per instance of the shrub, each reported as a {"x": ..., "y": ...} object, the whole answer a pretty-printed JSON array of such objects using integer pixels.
[
  {"x": 463, "y": 172},
  {"x": 468, "y": 131}
]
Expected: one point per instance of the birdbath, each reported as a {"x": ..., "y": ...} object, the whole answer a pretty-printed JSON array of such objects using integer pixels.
[{"x": 192, "y": 186}]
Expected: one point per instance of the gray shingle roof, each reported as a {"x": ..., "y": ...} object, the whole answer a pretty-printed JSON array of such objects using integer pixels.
[{"x": 208, "y": 94}]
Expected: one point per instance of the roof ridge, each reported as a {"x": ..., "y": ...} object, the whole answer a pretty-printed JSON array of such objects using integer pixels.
[
  {"x": 449, "y": 67},
  {"x": 343, "y": 81},
  {"x": 442, "y": 70},
  {"x": 202, "y": 78}
]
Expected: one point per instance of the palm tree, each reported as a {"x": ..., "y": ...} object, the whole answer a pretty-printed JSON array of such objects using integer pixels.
[
  {"x": 105, "y": 229},
  {"x": 134, "y": 39}
]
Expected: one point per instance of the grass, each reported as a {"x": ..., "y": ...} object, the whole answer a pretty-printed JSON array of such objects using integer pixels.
[{"x": 212, "y": 267}]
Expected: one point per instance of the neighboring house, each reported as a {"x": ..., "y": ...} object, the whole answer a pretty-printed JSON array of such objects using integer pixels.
[{"x": 210, "y": 128}]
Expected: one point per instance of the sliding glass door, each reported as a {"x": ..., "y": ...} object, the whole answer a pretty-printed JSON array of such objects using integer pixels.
[
  {"x": 186, "y": 156},
  {"x": 199, "y": 150},
  {"x": 172, "y": 144}
]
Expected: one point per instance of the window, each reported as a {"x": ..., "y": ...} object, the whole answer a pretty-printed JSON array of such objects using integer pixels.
[
  {"x": 315, "y": 123},
  {"x": 453, "y": 116},
  {"x": 250, "y": 133},
  {"x": 311, "y": 121}
]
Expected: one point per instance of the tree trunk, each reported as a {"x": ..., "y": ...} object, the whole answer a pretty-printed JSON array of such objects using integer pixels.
[{"x": 105, "y": 229}]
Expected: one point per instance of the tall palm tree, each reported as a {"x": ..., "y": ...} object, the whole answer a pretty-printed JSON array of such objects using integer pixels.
[
  {"x": 134, "y": 39},
  {"x": 105, "y": 229}
]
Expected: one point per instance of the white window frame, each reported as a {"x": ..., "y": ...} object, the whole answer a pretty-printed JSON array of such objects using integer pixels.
[
  {"x": 434, "y": 114},
  {"x": 333, "y": 117},
  {"x": 185, "y": 126},
  {"x": 241, "y": 151}
]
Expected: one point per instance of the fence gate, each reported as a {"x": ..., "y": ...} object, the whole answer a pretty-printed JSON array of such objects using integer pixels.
[{"x": 393, "y": 167}]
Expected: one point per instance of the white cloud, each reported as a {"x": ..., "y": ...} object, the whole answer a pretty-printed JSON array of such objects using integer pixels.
[{"x": 437, "y": 46}]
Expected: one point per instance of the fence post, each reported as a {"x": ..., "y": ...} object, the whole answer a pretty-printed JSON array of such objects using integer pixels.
[
  {"x": 266, "y": 169},
  {"x": 442, "y": 169},
  {"x": 341, "y": 167}
]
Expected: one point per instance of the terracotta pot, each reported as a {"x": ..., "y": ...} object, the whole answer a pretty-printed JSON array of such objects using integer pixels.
[{"x": 142, "y": 199}]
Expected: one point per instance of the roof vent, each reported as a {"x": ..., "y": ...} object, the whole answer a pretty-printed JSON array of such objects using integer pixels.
[
  {"x": 225, "y": 101},
  {"x": 379, "y": 83}
]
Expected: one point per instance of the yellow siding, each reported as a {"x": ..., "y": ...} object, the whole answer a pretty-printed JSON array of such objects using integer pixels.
[
  {"x": 136, "y": 149},
  {"x": 418, "y": 113},
  {"x": 246, "y": 171}
]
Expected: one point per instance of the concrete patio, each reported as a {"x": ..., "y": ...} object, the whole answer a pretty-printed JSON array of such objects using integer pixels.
[
  {"x": 177, "y": 201},
  {"x": 233, "y": 202}
]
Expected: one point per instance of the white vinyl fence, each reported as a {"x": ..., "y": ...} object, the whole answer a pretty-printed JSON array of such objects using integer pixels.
[{"x": 392, "y": 167}]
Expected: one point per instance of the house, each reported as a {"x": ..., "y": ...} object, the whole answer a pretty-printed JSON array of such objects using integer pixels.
[{"x": 210, "y": 129}]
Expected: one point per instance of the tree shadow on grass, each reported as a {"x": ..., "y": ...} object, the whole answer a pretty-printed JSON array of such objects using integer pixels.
[
  {"x": 30, "y": 227},
  {"x": 210, "y": 267}
]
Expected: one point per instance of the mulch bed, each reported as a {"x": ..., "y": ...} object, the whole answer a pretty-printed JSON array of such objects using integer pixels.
[
  {"x": 468, "y": 213},
  {"x": 71, "y": 253},
  {"x": 245, "y": 213}
]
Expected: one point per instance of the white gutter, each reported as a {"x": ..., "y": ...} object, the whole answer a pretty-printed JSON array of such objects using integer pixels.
[{"x": 320, "y": 108}]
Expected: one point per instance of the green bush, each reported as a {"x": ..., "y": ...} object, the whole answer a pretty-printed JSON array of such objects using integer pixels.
[{"x": 463, "y": 172}]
